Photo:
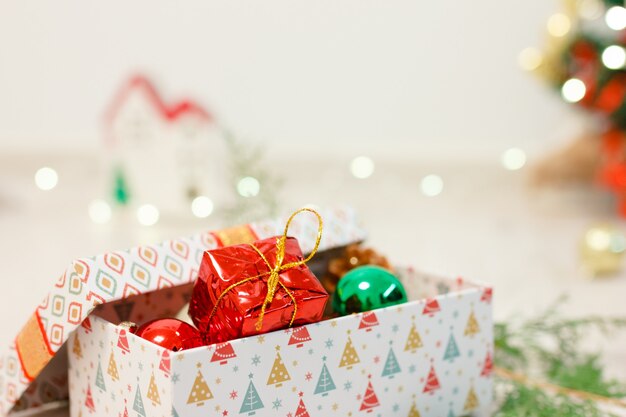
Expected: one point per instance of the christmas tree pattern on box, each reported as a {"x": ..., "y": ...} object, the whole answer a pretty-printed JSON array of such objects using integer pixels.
[{"x": 426, "y": 358}]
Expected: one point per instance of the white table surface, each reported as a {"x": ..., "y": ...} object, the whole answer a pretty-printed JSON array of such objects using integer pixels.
[{"x": 487, "y": 225}]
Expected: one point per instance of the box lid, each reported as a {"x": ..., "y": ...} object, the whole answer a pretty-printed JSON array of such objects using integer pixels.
[{"x": 33, "y": 370}]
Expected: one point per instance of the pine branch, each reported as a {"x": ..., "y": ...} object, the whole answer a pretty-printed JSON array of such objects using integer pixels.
[
  {"x": 565, "y": 380},
  {"x": 247, "y": 161}
]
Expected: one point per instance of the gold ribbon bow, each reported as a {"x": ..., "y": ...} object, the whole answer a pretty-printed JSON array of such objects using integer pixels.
[{"x": 274, "y": 271}]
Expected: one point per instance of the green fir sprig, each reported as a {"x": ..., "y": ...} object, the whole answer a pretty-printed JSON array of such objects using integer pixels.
[
  {"x": 548, "y": 348},
  {"x": 246, "y": 160},
  {"x": 524, "y": 401}
]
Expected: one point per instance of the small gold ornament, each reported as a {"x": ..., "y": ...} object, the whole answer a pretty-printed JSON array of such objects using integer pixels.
[{"x": 602, "y": 250}]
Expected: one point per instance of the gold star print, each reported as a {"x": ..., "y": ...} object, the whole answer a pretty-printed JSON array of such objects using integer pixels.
[
  {"x": 333, "y": 324},
  {"x": 293, "y": 389},
  {"x": 218, "y": 408},
  {"x": 143, "y": 348},
  {"x": 106, "y": 409},
  {"x": 460, "y": 372},
  {"x": 400, "y": 388},
  {"x": 363, "y": 371},
  {"x": 180, "y": 357},
  {"x": 277, "y": 347},
  {"x": 218, "y": 381},
  {"x": 199, "y": 365},
  {"x": 295, "y": 363},
  {"x": 260, "y": 339},
  {"x": 364, "y": 346},
  {"x": 335, "y": 406}
]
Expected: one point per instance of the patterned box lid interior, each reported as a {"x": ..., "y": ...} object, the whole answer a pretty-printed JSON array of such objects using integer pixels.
[{"x": 137, "y": 284}]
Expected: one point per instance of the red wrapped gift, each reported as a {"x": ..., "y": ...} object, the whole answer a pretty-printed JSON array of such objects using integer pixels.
[{"x": 243, "y": 290}]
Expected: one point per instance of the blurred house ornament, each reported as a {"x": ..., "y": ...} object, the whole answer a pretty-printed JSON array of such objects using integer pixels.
[
  {"x": 169, "y": 154},
  {"x": 587, "y": 64},
  {"x": 602, "y": 250}
]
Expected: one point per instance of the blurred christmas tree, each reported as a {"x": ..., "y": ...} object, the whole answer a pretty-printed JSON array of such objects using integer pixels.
[{"x": 585, "y": 60}]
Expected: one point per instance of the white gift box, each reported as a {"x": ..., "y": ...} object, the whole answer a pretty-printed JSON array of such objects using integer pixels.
[{"x": 431, "y": 356}]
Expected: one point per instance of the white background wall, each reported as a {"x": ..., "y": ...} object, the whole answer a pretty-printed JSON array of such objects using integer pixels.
[{"x": 398, "y": 77}]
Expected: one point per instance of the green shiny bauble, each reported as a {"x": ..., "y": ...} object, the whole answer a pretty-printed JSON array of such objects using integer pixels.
[{"x": 367, "y": 288}]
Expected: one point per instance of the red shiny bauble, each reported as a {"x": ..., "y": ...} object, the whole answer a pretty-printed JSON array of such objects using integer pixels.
[{"x": 171, "y": 334}]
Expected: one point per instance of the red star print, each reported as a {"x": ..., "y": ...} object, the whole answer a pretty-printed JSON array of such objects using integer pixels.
[
  {"x": 308, "y": 376},
  {"x": 358, "y": 397},
  {"x": 300, "y": 394},
  {"x": 225, "y": 413},
  {"x": 438, "y": 343},
  {"x": 376, "y": 359},
  {"x": 233, "y": 394},
  {"x": 129, "y": 388}
]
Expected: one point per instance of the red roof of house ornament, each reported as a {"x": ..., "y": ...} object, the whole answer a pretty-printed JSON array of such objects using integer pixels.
[{"x": 169, "y": 112}]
